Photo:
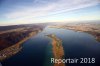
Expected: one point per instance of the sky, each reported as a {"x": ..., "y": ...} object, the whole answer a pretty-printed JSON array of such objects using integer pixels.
[{"x": 14, "y": 12}]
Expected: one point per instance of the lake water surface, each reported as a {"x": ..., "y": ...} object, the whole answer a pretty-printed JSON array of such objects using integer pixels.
[{"x": 37, "y": 51}]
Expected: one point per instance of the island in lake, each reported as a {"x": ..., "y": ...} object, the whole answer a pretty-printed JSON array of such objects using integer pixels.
[{"x": 57, "y": 48}]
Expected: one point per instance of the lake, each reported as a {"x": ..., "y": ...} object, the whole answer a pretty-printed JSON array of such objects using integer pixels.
[{"x": 37, "y": 51}]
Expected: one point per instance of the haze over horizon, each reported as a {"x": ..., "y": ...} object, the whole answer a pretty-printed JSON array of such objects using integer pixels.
[{"x": 14, "y": 12}]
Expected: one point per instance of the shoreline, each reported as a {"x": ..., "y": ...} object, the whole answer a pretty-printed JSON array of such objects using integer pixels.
[
  {"x": 14, "y": 49},
  {"x": 97, "y": 38}
]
